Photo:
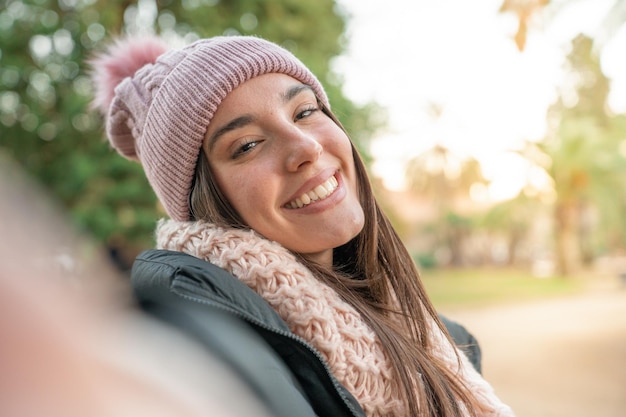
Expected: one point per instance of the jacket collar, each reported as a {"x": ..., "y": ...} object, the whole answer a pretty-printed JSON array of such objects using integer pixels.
[{"x": 158, "y": 273}]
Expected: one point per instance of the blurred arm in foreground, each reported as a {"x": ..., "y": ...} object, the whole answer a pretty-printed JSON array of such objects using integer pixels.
[{"x": 72, "y": 342}]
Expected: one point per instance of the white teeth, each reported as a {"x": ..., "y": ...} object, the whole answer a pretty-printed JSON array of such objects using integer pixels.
[
  {"x": 318, "y": 193},
  {"x": 321, "y": 191}
]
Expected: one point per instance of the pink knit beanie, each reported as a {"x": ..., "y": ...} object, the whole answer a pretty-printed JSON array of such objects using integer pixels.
[{"x": 158, "y": 103}]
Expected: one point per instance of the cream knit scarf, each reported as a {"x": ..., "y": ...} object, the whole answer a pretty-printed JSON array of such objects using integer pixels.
[{"x": 316, "y": 313}]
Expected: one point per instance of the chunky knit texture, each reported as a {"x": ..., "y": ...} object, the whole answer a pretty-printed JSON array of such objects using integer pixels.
[
  {"x": 316, "y": 313},
  {"x": 160, "y": 110}
]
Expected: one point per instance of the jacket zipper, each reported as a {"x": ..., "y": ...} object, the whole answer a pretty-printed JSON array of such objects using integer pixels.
[{"x": 252, "y": 320}]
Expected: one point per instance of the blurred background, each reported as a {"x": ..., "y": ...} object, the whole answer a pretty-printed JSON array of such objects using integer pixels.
[{"x": 494, "y": 131}]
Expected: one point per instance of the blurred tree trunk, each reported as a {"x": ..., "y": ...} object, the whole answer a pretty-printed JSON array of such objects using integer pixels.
[
  {"x": 587, "y": 172},
  {"x": 445, "y": 179},
  {"x": 568, "y": 253}
]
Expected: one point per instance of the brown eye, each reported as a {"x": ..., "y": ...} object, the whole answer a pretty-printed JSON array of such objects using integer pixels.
[
  {"x": 245, "y": 148},
  {"x": 306, "y": 113}
]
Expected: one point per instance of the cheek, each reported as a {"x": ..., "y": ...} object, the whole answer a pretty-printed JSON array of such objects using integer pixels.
[
  {"x": 246, "y": 191},
  {"x": 336, "y": 142},
  {"x": 234, "y": 187},
  {"x": 343, "y": 149}
]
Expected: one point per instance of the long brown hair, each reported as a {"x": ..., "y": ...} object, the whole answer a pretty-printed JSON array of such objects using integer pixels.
[{"x": 366, "y": 271}]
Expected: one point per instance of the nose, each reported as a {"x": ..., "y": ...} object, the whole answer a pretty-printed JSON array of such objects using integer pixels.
[{"x": 301, "y": 149}]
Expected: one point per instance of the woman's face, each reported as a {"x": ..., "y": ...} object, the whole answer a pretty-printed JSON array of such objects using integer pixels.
[{"x": 285, "y": 166}]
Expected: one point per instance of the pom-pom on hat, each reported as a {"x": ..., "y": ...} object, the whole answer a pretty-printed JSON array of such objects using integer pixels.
[{"x": 158, "y": 103}]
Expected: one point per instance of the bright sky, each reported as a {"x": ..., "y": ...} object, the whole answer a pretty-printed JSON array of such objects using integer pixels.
[{"x": 459, "y": 54}]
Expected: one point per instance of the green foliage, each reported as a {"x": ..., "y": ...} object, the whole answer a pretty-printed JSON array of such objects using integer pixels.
[
  {"x": 425, "y": 260},
  {"x": 586, "y": 169},
  {"x": 446, "y": 179},
  {"x": 45, "y": 121}
]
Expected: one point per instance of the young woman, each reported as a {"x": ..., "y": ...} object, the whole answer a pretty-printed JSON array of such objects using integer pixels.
[{"x": 259, "y": 178}]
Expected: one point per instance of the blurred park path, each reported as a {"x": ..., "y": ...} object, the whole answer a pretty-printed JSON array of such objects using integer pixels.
[{"x": 563, "y": 357}]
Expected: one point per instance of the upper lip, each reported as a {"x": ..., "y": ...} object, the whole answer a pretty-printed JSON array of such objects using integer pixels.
[{"x": 318, "y": 179}]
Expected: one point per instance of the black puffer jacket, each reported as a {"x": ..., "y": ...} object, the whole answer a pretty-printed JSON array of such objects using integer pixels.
[{"x": 240, "y": 328}]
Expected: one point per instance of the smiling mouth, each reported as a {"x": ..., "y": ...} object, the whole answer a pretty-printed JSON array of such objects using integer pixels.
[{"x": 320, "y": 192}]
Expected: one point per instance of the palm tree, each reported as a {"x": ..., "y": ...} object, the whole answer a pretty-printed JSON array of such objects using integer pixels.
[
  {"x": 527, "y": 10},
  {"x": 446, "y": 179},
  {"x": 581, "y": 159},
  {"x": 513, "y": 221}
]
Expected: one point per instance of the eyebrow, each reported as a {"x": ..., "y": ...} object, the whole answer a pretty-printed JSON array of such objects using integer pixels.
[
  {"x": 295, "y": 90},
  {"x": 246, "y": 119},
  {"x": 234, "y": 124}
]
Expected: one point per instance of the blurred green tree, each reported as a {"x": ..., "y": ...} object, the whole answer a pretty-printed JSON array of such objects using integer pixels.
[
  {"x": 45, "y": 121},
  {"x": 446, "y": 180},
  {"x": 586, "y": 143},
  {"x": 512, "y": 221},
  {"x": 585, "y": 164}
]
